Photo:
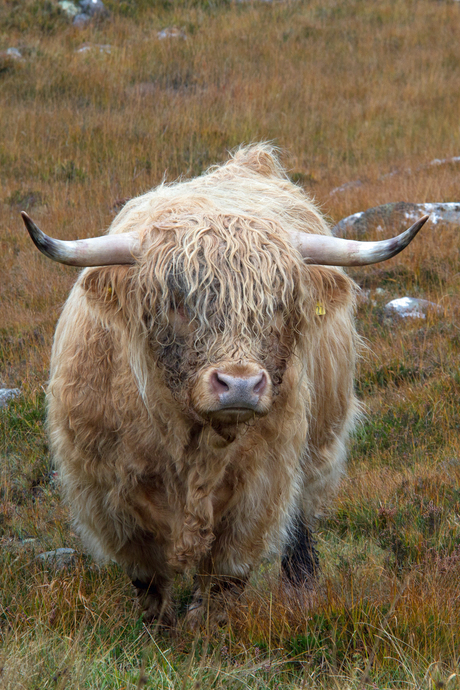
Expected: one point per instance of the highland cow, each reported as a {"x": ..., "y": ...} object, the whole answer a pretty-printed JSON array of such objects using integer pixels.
[{"x": 201, "y": 389}]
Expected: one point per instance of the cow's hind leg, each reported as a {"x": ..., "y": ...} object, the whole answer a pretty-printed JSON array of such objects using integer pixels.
[{"x": 300, "y": 565}]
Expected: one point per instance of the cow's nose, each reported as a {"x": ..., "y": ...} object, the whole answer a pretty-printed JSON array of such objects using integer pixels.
[{"x": 238, "y": 391}]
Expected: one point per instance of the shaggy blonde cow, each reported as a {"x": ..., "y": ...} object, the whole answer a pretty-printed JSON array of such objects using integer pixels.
[{"x": 201, "y": 389}]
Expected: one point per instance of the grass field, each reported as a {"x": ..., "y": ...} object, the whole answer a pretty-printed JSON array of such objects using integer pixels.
[{"x": 351, "y": 91}]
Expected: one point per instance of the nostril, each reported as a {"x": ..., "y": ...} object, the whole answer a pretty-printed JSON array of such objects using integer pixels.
[
  {"x": 218, "y": 383},
  {"x": 260, "y": 384}
]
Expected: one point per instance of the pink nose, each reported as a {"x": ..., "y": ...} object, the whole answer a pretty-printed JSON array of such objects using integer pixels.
[{"x": 238, "y": 391}]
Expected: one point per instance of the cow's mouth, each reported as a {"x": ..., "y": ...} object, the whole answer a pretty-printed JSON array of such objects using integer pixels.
[{"x": 234, "y": 415}]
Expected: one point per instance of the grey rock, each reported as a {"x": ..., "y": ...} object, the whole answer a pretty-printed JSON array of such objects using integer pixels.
[
  {"x": 60, "y": 558},
  {"x": 93, "y": 8},
  {"x": 7, "y": 394},
  {"x": 439, "y": 213},
  {"x": 396, "y": 217},
  {"x": 410, "y": 307},
  {"x": 70, "y": 8},
  {"x": 81, "y": 20},
  {"x": 88, "y": 10}
]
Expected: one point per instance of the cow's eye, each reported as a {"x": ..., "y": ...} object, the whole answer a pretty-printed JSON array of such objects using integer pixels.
[
  {"x": 180, "y": 319},
  {"x": 278, "y": 318},
  {"x": 277, "y": 321},
  {"x": 181, "y": 311}
]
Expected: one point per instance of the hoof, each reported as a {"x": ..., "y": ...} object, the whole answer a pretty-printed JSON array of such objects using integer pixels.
[
  {"x": 156, "y": 605},
  {"x": 200, "y": 615}
]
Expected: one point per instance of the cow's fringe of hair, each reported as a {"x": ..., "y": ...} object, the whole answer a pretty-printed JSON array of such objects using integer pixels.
[{"x": 230, "y": 274}]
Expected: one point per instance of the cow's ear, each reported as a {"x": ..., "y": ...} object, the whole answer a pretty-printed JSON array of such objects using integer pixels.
[
  {"x": 332, "y": 290},
  {"x": 108, "y": 287}
]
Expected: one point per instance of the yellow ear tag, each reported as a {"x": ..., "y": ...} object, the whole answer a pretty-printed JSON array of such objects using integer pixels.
[
  {"x": 109, "y": 292},
  {"x": 320, "y": 309}
]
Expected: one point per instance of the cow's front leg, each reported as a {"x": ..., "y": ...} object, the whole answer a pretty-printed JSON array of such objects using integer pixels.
[
  {"x": 215, "y": 593},
  {"x": 154, "y": 596}
]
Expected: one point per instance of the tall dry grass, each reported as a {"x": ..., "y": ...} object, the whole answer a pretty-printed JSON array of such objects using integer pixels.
[{"x": 351, "y": 91}]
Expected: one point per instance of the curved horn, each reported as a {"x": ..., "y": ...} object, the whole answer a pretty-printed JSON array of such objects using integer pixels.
[
  {"x": 95, "y": 251},
  {"x": 333, "y": 251}
]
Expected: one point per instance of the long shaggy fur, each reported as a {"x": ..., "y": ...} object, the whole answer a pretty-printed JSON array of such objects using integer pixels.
[{"x": 151, "y": 482}]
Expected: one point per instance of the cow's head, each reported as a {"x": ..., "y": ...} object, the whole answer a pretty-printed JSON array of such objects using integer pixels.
[{"x": 224, "y": 304}]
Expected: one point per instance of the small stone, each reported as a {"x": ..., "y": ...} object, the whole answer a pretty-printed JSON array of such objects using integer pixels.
[
  {"x": 14, "y": 53},
  {"x": 7, "y": 394},
  {"x": 172, "y": 32},
  {"x": 444, "y": 161},
  {"x": 60, "y": 558},
  {"x": 10, "y": 59},
  {"x": 344, "y": 187},
  {"x": 373, "y": 297},
  {"x": 410, "y": 307},
  {"x": 101, "y": 48}
]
